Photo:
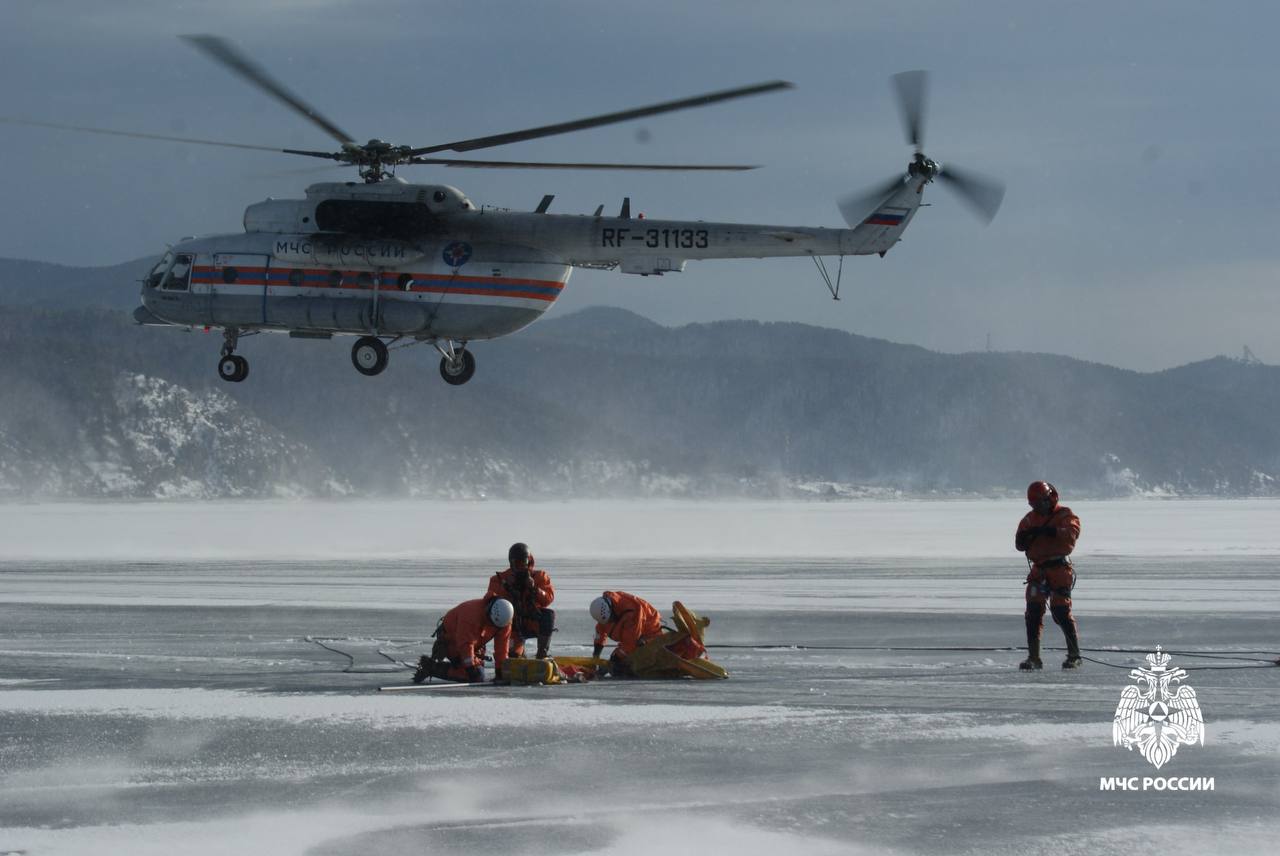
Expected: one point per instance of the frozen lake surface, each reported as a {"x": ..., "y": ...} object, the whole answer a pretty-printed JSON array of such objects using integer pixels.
[{"x": 152, "y": 704}]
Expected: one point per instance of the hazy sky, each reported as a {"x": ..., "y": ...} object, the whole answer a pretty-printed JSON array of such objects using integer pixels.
[{"x": 1136, "y": 141}]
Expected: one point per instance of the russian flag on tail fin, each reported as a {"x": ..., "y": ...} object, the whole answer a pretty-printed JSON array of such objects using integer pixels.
[{"x": 887, "y": 217}]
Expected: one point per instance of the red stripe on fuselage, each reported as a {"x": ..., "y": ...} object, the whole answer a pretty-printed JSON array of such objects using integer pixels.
[{"x": 535, "y": 289}]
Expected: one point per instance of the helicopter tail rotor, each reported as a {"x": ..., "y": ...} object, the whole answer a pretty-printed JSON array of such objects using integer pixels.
[
  {"x": 912, "y": 88},
  {"x": 981, "y": 194}
]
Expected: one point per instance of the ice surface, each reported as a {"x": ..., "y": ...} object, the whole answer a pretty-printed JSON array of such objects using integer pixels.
[
  {"x": 150, "y": 705},
  {"x": 274, "y": 530}
]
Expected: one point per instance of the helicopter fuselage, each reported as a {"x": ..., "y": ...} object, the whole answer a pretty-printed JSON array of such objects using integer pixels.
[{"x": 401, "y": 260}]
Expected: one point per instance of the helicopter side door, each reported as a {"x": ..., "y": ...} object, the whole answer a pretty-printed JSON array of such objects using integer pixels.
[{"x": 237, "y": 290}]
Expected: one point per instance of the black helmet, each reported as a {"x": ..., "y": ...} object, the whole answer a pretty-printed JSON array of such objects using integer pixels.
[{"x": 518, "y": 555}]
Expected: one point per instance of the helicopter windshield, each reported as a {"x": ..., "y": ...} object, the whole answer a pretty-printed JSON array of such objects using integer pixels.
[{"x": 157, "y": 272}]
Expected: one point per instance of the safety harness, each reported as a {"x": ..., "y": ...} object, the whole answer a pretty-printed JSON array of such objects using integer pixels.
[{"x": 1039, "y": 582}]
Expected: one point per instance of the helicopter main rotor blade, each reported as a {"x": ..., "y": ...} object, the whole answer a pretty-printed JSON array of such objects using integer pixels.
[
  {"x": 12, "y": 121},
  {"x": 222, "y": 51},
  {"x": 912, "y": 86},
  {"x": 982, "y": 194},
  {"x": 605, "y": 119},
  {"x": 669, "y": 167},
  {"x": 856, "y": 207}
]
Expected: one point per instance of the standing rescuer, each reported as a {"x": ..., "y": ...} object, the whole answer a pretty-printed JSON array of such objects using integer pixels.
[
  {"x": 1047, "y": 534},
  {"x": 461, "y": 636},
  {"x": 531, "y": 593}
]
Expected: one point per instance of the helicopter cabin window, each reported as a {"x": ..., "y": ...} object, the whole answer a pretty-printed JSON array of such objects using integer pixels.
[
  {"x": 404, "y": 282},
  {"x": 364, "y": 280},
  {"x": 335, "y": 279},
  {"x": 230, "y": 275},
  {"x": 295, "y": 277},
  {"x": 374, "y": 219},
  {"x": 179, "y": 276}
]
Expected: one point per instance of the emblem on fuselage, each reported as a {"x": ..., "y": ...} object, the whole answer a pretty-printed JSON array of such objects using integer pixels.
[{"x": 457, "y": 254}]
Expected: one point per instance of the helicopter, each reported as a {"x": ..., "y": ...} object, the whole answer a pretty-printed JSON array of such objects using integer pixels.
[{"x": 393, "y": 262}]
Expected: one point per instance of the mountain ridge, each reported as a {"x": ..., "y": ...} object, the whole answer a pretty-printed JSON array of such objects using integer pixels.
[{"x": 602, "y": 402}]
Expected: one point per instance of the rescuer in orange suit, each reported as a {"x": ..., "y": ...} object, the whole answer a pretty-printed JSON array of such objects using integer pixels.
[
  {"x": 1047, "y": 534},
  {"x": 531, "y": 593},
  {"x": 458, "y": 652},
  {"x": 629, "y": 621}
]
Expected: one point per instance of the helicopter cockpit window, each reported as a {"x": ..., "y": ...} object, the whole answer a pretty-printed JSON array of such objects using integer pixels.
[
  {"x": 157, "y": 273},
  {"x": 179, "y": 276}
]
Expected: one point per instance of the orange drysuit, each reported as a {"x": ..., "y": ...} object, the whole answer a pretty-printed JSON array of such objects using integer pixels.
[
  {"x": 632, "y": 622},
  {"x": 531, "y": 594},
  {"x": 1048, "y": 541},
  {"x": 537, "y": 593},
  {"x": 466, "y": 629},
  {"x": 1051, "y": 575}
]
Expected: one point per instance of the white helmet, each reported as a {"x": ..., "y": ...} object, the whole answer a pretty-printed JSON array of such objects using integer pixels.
[
  {"x": 601, "y": 610},
  {"x": 501, "y": 612}
]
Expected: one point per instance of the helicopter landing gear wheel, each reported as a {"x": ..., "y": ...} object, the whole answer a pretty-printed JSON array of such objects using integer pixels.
[
  {"x": 459, "y": 370},
  {"x": 233, "y": 368},
  {"x": 369, "y": 355}
]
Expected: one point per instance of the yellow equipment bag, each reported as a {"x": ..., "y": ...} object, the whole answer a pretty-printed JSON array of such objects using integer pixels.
[{"x": 520, "y": 670}]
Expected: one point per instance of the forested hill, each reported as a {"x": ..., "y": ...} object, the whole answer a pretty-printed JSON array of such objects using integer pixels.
[{"x": 597, "y": 403}]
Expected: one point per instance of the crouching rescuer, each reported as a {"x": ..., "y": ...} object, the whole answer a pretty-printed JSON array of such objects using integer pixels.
[
  {"x": 461, "y": 637},
  {"x": 629, "y": 621},
  {"x": 1047, "y": 534},
  {"x": 645, "y": 648},
  {"x": 531, "y": 593}
]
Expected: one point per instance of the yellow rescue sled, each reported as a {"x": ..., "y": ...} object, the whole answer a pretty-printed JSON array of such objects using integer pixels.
[{"x": 656, "y": 659}]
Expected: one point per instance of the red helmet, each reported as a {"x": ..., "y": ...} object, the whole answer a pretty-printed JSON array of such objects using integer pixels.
[{"x": 1038, "y": 492}]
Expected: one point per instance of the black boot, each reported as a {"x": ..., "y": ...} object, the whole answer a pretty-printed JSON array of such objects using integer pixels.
[
  {"x": 424, "y": 669},
  {"x": 1063, "y": 618},
  {"x": 1032, "y": 663},
  {"x": 1034, "y": 618},
  {"x": 544, "y": 646}
]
